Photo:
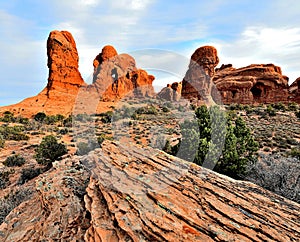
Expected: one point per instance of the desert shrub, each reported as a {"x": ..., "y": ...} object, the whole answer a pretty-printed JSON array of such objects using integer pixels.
[
  {"x": 2, "y": 141},
  {"x": 4, "y": 177},
  {"x": 68, "y": 122},
  {"x": 83, "y": 117},
  {"x": 106, "y": 117},
  {"x": 297, "y": 114},
  {"x": 14, "y": 199},
  {"x": 279, "y": 106},
  {"x": 84, "y": 148},
  {"x": 8, "y": 117},
  {"x": 14, "y": 160},
  {"x": 13, "y": 133},
  {"x": 165, "y": 110},
  {"x": 270, "y": 111},
  {"x": 40, "y": 117},
  {"x": 102, "y": 137},
  {"x": 277, "y": 174},
  {"x": 295, "y": 152},
  {"x": 147, "y": 110},
  {"x": 28, "y": 174},
  {"x": 292, "y": 106},
  {"x": 49, "y": 150}
]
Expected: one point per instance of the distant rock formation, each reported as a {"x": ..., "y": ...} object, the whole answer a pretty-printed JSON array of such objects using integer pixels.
[
  {"x": 294, "y": 91},
  {"x": 254, "y": 84},
  {"x": 115, "y": 76},
  {"x": 123, "y": 193},
  {"x": 262, "y": 83},
  {"x": 172, "y": 92},
  {"x": 197, "y": 83}
]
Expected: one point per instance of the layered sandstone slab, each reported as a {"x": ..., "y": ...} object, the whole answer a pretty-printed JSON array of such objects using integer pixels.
[
  {"x": 135, "y": 194},
  {"x": 257, "y": 83}
]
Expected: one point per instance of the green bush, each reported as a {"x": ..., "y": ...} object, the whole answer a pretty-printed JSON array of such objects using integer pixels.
[
  {"x": 295, "y": 152},
  {"x": 84, "y": 148},
  {"x": 40, "y": 117},
  {"x": 292, "y": 106},
  {"x": 49, "y": 150},
  {"x": 229, "y": 149},
  {"x": 13, "y": 133},
  {"x": 28, "y": 174},
  {"x": 14, "y": 160},
  {"x": 270, "y": 111}
]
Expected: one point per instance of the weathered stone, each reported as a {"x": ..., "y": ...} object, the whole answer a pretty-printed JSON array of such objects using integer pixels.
[
  {"x": 136, "y": 194},
  {"x": 252, "y": 84},
  {"x": 197, "y": 83},
  {"x": 171, "y": 92}
]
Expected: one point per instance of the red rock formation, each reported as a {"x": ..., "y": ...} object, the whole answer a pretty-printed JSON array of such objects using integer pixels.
[
  {"x": 116, "y": 76},
  {"x": 252, "y": 84},
  {"x": 135, "y": 194},
  {"x": 171, "y": 92},
  {"x": 63, "y": 63},
  {"x": 247, "y": 85},
  {"x": 197, "y": 83},
  {"x": 294, "y": 91},
  {"x": 64, "y": 79}
]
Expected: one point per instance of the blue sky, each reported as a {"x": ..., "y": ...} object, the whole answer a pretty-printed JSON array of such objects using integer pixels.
[{"x": 244, "y": 32}]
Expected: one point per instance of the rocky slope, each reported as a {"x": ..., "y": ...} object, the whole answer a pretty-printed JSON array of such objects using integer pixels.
[{"x": 135, "y": 194}]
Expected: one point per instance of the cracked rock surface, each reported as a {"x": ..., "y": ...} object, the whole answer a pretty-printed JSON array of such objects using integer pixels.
[{"x": 123, "y": 193}]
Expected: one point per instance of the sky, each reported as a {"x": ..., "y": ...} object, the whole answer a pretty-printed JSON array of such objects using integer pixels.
[{"x": 161, "y": 35}]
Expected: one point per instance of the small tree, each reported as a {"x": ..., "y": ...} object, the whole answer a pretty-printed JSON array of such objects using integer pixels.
[{"x": 49, "y": 150}]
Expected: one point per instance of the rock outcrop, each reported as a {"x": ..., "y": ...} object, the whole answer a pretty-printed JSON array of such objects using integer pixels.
[
  {"x": 64, "y": 79},
  {"x": 116, "y": 76},
  {"x": 123, "y": 193},
  {"x": 257, "y": 83},
  {"x": 64, "y": 75},
  {"x": 294, "y": 91},
  {"x": 252, "y": 84},
  {"x": 172, "y": 92},
  {"x": 197, "y": 83}
]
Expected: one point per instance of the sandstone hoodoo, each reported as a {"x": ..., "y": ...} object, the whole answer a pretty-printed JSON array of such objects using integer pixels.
[
  {"x": 197, "y": 83},
  {"x": 116, "y": 76},
  {"x": 64, "y": 75},
  {"x": 253, "y": 84},
  {"x": 64, "y": 79},
  {"x": 171, "y": 92},
  {"x": 123, "y": 193}
]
